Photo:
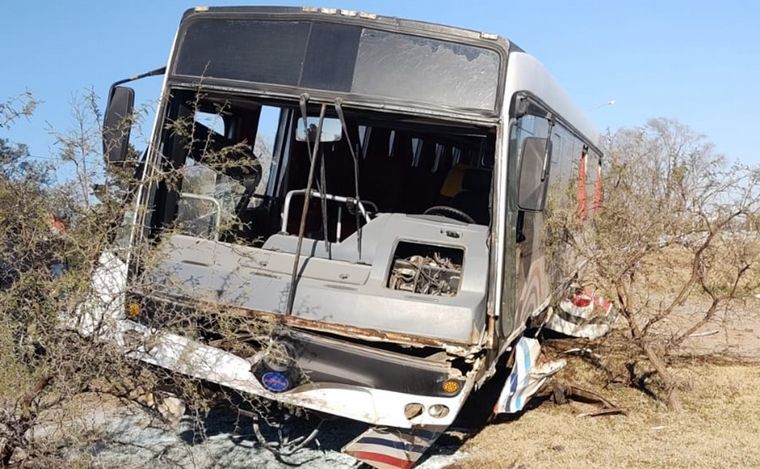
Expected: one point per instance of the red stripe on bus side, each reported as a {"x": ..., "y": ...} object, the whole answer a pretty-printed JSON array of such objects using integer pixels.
[{"x": 383, "y": 458}]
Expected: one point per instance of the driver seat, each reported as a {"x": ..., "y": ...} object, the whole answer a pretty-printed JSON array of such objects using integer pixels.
[{"x": 473, "y": 198}]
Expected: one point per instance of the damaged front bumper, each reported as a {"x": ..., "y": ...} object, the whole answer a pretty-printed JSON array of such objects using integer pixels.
[
  {"x": 402, "y": 399},
  {"x": 354, "y": 401}
]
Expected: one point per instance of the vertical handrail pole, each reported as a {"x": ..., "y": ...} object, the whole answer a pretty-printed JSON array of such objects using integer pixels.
[{"x": 304, "y": 212}]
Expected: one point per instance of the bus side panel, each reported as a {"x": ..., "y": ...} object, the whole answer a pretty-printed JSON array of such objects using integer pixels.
[{"x": 532, "y": 281}]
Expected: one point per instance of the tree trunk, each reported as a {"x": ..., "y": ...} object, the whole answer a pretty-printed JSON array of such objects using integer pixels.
[{"x": 671, "y": 393}]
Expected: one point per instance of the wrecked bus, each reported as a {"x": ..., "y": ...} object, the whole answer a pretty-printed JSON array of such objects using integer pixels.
[{"x": 396, "y": 226}]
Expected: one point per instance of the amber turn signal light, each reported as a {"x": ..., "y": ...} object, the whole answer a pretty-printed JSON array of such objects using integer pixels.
[
  {"x": 450, "y": 386},
  {"x": 133, "y": 310}
]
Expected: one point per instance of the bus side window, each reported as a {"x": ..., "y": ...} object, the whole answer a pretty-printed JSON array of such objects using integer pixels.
[
  {"x": 531, "y": 189},
  {"x": 534, "y": 163}
]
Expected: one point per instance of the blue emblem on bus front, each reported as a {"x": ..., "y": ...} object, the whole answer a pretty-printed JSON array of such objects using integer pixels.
[{"x": 275, "y": 381}]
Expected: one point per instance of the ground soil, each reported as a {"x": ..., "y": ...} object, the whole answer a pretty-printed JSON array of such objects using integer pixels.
[
  {"x": 717, "y": 427},
  {"x": 718, "y": 373}
]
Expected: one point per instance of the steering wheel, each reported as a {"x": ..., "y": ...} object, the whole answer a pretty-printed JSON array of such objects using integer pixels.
[{"x": 449, "y": 212}]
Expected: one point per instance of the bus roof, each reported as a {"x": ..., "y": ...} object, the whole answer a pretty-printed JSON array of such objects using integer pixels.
[{"x": 526, "y": 74}]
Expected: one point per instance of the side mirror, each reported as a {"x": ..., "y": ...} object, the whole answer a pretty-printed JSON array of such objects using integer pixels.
[
  {"x": 533, "y": 172},
  {"x": 117, "y": 124},
  {"x": 332, "y": 130}
]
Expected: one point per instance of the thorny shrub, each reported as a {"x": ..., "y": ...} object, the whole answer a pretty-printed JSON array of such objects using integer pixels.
[
  {"x": 52, "y": 239},
  {"x": 677, "y": 235}
]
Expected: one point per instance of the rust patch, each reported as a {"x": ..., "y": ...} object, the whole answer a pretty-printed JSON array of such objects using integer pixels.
[{"x": 456, "y": 348}]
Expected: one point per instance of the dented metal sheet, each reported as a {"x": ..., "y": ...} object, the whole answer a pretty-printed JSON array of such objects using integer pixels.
[
  {"x": 340, "y": 290},
  {"x": 392, "y": 448},
  {"x": 371, "y": 335},
  {"x": 526, "y": 377},
  {"x": 586, "y": 315}
]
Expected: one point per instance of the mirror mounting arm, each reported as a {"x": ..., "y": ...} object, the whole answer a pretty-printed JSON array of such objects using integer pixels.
[
  {"x": 547, "y": 149},
  {"x": 152, "y": 73}
]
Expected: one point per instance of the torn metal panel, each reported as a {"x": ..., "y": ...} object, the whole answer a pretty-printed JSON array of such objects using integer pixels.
[
  {"x": 392, "y": 448},
  {"x": 371, "y": 335},
  {"x": 341, "y": 290},
  {"x": 357, "y": 401},
  {"x": 526, "y": 378},
  {"x": 586, "y": 315}
]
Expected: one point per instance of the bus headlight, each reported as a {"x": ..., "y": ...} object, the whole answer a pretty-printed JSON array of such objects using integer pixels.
[
  {"x": 438, "y": 411},
  {"x": 413, "y": 409}
]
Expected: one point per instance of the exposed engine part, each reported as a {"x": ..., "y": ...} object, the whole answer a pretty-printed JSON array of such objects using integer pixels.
[{"x": 436, "y": 274}]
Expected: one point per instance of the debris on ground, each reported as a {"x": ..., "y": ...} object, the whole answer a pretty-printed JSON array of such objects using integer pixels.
[
  {"x": 526, "y": 377},
  {"x": 585, "y": 315},
  {"x": 560, "y": 393}
]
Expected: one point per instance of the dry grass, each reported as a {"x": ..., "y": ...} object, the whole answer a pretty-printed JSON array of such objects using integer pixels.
[
  {"x": 666, "y": 270},
  {"x": 717, "y": 376},
  {"x": 718, "y": 426}
]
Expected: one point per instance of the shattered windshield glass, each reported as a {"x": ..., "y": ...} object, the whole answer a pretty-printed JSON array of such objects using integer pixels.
[
  {"x": 341, "y": 58},
  {"x": 427, "y": 70},
  {"x": 207, "y": 201}
]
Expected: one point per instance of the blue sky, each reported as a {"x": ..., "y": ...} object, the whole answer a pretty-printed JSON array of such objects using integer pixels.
[{"x": 696, "y": 61}]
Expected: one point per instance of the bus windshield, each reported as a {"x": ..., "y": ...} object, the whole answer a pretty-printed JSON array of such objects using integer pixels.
[{"x": 341, "y": 58}]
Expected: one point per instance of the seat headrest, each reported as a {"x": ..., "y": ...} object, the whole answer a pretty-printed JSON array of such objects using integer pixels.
[{"x": 476, "y": 180}]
